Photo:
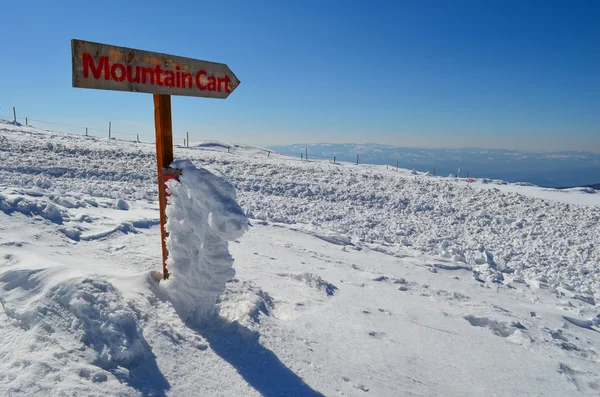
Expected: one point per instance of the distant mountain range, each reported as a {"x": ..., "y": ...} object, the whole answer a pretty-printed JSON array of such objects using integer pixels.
[
  {"x": 595, "y": 186},
  {"x": 555, "y": 169}
]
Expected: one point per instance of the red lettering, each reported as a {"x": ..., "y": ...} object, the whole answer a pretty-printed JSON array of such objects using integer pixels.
[
  {"x": 199, "y": 80},
  {"x": 117, "y": 76},
  {"x": 88, "y": 63},
  {"x": 177, "y": 77},
  {"x": 170, "y": 78},
  {"x": 220, "y": 80},
  {"x": 212, "y": 84},
  {"x": 227, "y": 81},
  {"x": 145, "y": 72},
  {"x": 187, "y": 76},
  {"x": 158, "y": 72},
  {"x": 129, "y": 74}
]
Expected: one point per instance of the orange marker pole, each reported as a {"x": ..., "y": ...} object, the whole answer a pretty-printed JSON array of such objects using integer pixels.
[{"x": 164, "y": 158}]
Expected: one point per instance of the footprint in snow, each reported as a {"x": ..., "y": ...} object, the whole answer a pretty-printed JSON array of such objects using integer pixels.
[
  {"x": 362, "y": 387},
  {"x": 17, "y": 244},
  {"x": 380, "y": 278},
  {"x": 359, "y": 386},
  {"x": 512, "y": 331},
  {"x": 376, "y": 335},
  {"x": 452, "y": 295},
  {"x": 313, "y": 281},
  {"x": 404, "y": 284},
  {"x": 501, "y": 309},
  {"x": 424, "y": 289}
]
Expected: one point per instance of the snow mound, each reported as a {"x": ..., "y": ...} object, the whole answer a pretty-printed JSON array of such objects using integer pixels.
[
  {"x": 202, "y": 216},
  {"x": 83, "y": 317},
  {"x": 244, "y": 302},
  {"x": 89, "y": 307},
  {"x": 122, "y": 205},
  {"x": 31, "y": 206}
]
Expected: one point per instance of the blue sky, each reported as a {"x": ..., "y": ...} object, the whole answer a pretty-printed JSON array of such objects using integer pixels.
[{"x": 498, "y": 74}]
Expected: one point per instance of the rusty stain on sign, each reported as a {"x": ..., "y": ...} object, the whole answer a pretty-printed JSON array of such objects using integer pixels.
[{"x": 115, "y": 54}]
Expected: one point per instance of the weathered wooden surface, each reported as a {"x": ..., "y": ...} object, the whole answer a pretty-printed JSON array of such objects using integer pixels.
[
  {"x": 164, "y": 158},
  {"x": 108, "y": 67}
]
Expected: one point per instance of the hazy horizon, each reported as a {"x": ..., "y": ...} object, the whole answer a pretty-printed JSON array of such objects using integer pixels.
[
  {"x": 548, "y": 169},
  {"x": 549, "y": 151}
]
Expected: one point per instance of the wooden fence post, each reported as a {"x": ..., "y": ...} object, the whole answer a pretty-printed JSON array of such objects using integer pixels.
[
  {"x": 306, "y": 153},
  {"x": 356, "y": 158},
  {"x": 15, "y": 114},
  {"x": 468, "y": 174},
  {"x": 109, "y": 129},
  {"x": 333, "y": 159},
  {"x": 138, "y": 137},
  {"x": 269, "y": 154},
  {"x": 301, "y": 156},
  {"x": 187, "y": 135},
  {"x": 26, "y": 123},
  {"x": 434, "y": 170},
  {"x": 396, "y": 165},
  {"x": 86, "y": 131}
]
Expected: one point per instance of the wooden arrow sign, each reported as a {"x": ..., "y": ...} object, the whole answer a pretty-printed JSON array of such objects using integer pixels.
[{"x": 108, "y": 67}]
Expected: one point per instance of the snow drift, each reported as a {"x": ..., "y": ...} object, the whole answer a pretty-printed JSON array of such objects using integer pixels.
[
  {"x": 202, "y": 216},
  {"x": 63, "y": 327},
  {"x": 353, "y": 280}
]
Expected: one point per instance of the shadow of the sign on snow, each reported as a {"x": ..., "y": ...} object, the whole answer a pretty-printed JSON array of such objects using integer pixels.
[
  {"x": 146, "y": 377},
  {"x": 259, "y": 366}
]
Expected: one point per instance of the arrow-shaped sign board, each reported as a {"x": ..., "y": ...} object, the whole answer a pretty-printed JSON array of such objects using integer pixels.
[{"x": 108, "y": 67}]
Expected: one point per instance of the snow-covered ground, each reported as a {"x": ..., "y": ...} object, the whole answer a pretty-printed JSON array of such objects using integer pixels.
[{"x": 351, "y": 280}]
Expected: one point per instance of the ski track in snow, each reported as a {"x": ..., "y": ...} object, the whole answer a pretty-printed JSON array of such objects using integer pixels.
[{"x": 352, "y": 280}]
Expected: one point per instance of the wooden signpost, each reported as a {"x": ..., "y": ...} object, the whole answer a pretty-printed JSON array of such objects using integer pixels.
[{"x": 107, "y": 67}]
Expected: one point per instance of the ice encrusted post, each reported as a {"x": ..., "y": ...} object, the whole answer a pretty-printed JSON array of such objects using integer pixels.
[{"x": 202, "y": 217}]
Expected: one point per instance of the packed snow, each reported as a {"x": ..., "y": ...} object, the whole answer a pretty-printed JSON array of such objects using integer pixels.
[
  {"x": 350, "y": 280},
  {"x": 202, "y": 217}
]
